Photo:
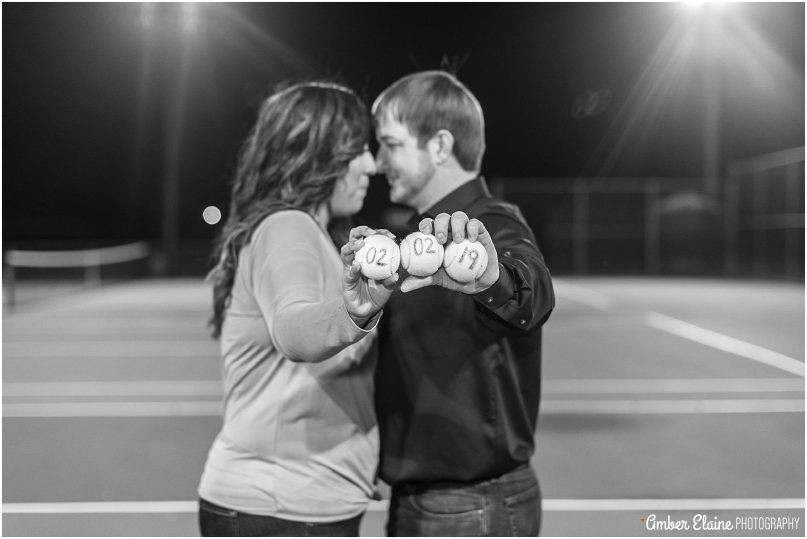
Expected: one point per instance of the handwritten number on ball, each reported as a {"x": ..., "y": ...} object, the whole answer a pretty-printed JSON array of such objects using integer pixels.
[
  {"x": 473, "y": 255},
  {"x": 430, "y": 245},
  {"x": 370, "y": 256},
  {"x": 417, "y": 246}
]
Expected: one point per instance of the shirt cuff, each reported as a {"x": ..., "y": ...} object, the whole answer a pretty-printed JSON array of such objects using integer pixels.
[
  {"x": 371, "y": 323},
  {"x": 499, "y": 292}
]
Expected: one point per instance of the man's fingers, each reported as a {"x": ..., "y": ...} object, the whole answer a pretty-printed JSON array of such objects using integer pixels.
[
  {"x": 441, "y": 224},
  {"x": 426, "y": 225},
  {"x": 458, "y": 221},
  {"x": 473, "y": 228}
]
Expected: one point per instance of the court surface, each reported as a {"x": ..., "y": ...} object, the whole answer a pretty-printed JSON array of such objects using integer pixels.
[{"x": 665, "y": 402}]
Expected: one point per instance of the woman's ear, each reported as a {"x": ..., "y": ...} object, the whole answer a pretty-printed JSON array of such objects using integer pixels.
[{"x": 441, "y": 145}]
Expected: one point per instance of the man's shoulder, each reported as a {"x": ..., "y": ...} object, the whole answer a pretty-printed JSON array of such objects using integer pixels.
[{"x": 492, "y": 205}]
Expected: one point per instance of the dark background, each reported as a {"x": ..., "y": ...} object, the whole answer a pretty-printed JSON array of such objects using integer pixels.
[{"x": 96, "y": 115}]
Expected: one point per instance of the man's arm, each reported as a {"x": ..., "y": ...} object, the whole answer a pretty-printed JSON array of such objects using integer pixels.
[
  {"x": 523, "y": 297},
  {"x": 515, "y": 291}
]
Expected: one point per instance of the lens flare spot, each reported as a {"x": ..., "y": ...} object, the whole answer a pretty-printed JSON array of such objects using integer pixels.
[{"x": 211, "y": 215}]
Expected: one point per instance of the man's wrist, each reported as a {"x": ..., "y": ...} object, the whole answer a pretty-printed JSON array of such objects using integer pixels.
[{"x": 499, "y": 293}]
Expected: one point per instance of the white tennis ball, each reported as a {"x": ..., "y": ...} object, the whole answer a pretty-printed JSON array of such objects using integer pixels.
[
  {"x": 379, "y": 257},
  {"x": 465, "y": 261},
  {"x": 421, "y": 254}
]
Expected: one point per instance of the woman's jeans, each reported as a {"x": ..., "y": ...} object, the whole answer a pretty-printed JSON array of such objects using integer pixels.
[
  {"x": 217, "y": 521},
  {"x": 506, "y": 506}
]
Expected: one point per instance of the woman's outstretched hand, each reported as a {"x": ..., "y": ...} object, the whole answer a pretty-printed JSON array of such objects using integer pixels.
[{"x": 363, "y": 297}]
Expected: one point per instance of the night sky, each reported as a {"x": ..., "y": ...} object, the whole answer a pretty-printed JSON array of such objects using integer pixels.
[{"x": 95, "y": 113}]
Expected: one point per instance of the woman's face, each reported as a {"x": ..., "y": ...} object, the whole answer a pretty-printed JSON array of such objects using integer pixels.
[{"x": 350, "y": 190}]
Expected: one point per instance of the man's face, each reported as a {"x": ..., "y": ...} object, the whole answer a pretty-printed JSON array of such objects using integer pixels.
[{"x": 407, "y": 167}]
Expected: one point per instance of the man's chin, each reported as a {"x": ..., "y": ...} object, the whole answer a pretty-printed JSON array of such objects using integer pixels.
[{"x": 396, "y": 196}]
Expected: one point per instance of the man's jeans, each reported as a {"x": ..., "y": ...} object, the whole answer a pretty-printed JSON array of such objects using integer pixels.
[
  {"x": 507, "y": 506},
  {"x": 217, "y": 521}
]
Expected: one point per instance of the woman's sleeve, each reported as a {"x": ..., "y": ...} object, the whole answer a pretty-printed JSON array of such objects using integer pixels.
[{"x": 288, "y": 277}]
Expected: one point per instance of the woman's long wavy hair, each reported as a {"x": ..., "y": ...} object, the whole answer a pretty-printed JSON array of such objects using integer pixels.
[{"x": 301, "y": 144}]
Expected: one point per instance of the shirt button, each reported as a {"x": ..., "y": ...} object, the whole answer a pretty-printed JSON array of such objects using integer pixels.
[
  {"x": 522, "y": 322},
  {"x": 490, "y": 299},
  {"x": 507, "y": 253}
]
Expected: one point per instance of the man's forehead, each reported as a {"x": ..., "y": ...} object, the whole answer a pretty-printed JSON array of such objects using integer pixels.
[{"x": 388, "y": 126}]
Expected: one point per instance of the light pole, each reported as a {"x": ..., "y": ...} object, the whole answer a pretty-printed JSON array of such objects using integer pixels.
[
  {"x": 173, "y": 136},
  {"x": 710, "y": 38},
  {"x": 711, "y": 113}
]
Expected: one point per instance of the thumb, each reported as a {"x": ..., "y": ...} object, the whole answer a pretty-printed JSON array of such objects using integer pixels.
[{"x": 414, "y": 283}]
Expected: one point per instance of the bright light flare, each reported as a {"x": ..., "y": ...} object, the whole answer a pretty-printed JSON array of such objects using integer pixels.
[
  {"x": 211, "y": 215},
  {"x": 147, "y": 15},
  {"x": 190, "y": 18}
]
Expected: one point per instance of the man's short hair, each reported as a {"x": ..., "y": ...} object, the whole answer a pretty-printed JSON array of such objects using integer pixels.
[{"x": 428, "y": 101}]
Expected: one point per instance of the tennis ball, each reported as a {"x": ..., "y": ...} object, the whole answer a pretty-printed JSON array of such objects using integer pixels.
[
  {"x": 465, "y": 261},
  {"x": 421, "y": 255},
  {"x": 379, "y": 257}
]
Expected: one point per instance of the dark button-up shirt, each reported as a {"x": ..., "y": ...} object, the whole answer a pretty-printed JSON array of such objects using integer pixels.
[{"x": 459, "y": 376}]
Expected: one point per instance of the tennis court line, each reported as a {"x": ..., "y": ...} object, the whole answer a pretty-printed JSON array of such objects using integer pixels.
[
  {"x": 724, "y": 343},
  {"x": 607, "y": 504},
  {"x": 566, "y": 386},
  {"x": 624, "y": 386},
  {"x": 584, "y": 296},
  {"x": 113, "y": 349},
  {"x": 135, "y": 388},
  {"x": 671, "y": 406},
  {"x": 548, "y": 407}
]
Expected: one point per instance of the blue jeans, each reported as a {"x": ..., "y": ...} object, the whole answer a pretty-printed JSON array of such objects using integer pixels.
[
  {"x": 509, "y": 505},
  {"x": 217, "y": 521}
]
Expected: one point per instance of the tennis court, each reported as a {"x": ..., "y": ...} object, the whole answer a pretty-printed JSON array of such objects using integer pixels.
[{"x": 664, "y": 400}]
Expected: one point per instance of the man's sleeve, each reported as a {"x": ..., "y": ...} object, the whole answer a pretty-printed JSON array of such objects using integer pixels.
[{"x": 523, "y": 297}]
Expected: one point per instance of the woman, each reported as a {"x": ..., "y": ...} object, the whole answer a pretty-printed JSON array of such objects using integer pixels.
[{"x": 298, "y": 449}]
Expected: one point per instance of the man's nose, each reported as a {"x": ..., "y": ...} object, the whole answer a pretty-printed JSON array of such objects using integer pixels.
[
  {"x": 370, "y": 165},
  {"x": 380, "y": 162}
]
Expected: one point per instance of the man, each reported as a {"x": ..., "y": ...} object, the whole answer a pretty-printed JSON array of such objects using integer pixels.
[{"x": 458, "y": 380}]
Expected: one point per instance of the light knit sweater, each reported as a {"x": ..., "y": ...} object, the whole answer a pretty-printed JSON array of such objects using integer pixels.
[{"x": 299, "y": 439}]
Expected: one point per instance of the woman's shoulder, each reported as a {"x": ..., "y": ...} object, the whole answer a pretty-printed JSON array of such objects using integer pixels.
[{"x": 288, "y": 223}]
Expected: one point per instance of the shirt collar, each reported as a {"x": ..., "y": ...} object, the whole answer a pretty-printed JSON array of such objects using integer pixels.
[{"x": 459, "y": 199}]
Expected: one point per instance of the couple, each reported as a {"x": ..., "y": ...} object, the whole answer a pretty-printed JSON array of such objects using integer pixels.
[{"x": 325, "y": 371}]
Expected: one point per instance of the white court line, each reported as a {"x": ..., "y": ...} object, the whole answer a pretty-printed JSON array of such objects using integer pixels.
[
  {"x": 115, "y": 409},
  {"x": 670, "y": 385},
  {"x": 548, "y": 407},
  {"x": 211, "y": 388},
  {"x": 724, "y": 343},
  {"x": 142, "y": 388},
  {"x": 608, "y": 504},
  {"x": 677, "y": 406},
  {"x": 113, "y": 349},
  {"x": 584, "y": 296},
  {"x": 674, "y": 504}
]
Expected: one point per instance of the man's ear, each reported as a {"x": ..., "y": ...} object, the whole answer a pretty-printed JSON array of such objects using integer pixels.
[{"x": 441, "y": 145}]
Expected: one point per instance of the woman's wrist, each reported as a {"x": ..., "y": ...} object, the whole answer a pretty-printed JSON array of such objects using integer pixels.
[{"x": 363, "y": 321}]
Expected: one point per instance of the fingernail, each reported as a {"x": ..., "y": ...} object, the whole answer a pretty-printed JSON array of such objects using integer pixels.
[{"x": 441, "y": 237}]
